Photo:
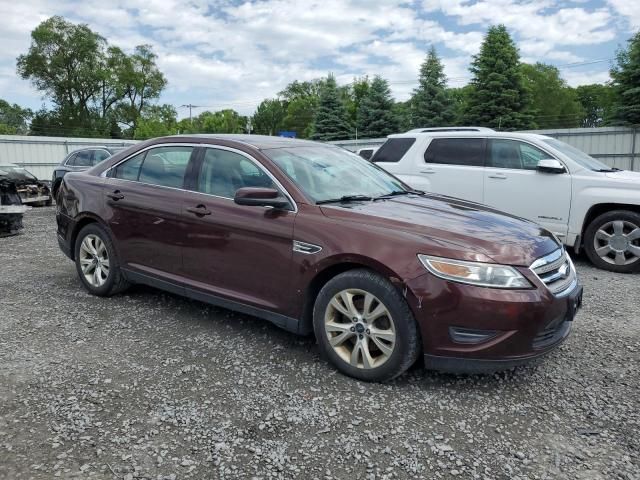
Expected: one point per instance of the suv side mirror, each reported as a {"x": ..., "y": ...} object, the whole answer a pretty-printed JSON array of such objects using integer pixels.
[
  {"x": 550, "y": 165},
  {"x": 260, "y": 197}
]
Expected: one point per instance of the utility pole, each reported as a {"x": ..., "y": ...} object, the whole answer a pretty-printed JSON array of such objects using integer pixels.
[{"x": 190, "y": 106}]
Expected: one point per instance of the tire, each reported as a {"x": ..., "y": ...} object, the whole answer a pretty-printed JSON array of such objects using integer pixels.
[
  {"x": 612, "y": 241},
  {"x": 385, "y": 363},
  {"x": 102, "y": 284}
]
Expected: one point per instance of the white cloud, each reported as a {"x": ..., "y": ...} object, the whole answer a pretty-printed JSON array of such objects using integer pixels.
[{"x": 630, "y": 9}]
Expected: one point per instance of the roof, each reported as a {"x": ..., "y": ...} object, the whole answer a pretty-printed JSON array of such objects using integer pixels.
[
  {"x": 260, "y": 142},
  {"x": 459, "y": 134}
]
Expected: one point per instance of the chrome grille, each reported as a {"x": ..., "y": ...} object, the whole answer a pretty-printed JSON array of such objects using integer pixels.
[{"x": 556, "y": 271}]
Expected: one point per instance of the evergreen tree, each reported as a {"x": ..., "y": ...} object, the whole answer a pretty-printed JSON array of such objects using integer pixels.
[
  {"x": 376, "y": 117},
  {"x": 499, "y": 98},
  {"x": 626, "y": 83},
  {"x": 331, "y": 121},
  {"x": 431, "y": 106}
]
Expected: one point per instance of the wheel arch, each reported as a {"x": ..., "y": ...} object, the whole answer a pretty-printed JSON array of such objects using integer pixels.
[
  {"x": 330, "y": 270},
  {"x": 84, "y": 220},
  {"x": 600, "y": 208}
]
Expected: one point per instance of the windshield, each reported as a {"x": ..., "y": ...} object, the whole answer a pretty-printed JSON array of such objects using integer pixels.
[
  {"x": 576, "y": 155},
  {"x": 16, "y": 173},
  {"x": 328, "y": 173}
]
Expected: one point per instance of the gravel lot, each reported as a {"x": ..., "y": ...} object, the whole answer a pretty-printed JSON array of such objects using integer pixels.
[{"x": 150, "y": 385}]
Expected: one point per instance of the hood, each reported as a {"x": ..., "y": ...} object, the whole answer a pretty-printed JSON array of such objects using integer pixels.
[
  {"x": 473, "y": 231},
  {"x": 625, "y": 176}
]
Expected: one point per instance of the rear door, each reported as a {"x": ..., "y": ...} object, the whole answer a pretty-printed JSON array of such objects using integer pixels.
[
  {"x": 454, "y": 167},
  {"x": 238, "y": 252},
  {"x": 514, "y": 185},
  {"x": 143, "y": 197}
]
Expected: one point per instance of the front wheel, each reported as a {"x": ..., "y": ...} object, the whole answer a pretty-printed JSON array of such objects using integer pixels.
[
  {"x": 612, "y": 241},
  {"x": 365, "y": 327},
  {"x": 96, "y": 262}
]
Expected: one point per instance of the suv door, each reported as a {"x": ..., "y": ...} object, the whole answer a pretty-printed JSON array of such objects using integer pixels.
[
  {"x": 142, "y": 199},
  {"x": 454, "y": 167},
  {"x": 514, "y": 185},
  {"x": 237, "y": 252}
]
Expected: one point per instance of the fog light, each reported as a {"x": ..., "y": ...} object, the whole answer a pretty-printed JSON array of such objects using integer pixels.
[{"x": 471, "y": 335}]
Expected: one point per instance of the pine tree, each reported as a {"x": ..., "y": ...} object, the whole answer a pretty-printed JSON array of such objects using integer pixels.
[
  {"x": 498, "y": 98},
  {"x": 375, "y": 114},
  {"x": 626, "y": 83},
  {"x": 431, "y": 105},
  {"x": 331, "y": 121}
]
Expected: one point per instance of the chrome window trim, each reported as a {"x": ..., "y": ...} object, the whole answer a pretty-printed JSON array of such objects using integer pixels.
[{"x": 105, "y": 173}]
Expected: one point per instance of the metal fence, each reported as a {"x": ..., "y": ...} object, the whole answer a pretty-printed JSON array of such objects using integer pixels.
[
  {"x": 615, "y": 146},
  {"x": 41, "y": 154}
]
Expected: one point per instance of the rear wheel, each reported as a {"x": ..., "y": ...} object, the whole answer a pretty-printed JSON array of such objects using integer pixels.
[
  {"x": 612, "y": 241},
  {"x": 96, "y": 262},
  {"x": 365, "y": 327}
]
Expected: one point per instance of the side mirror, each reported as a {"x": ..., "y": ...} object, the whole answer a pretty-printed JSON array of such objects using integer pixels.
[
  {"x": 260, "y": 197},
  {"x": 550, "y": 165}
]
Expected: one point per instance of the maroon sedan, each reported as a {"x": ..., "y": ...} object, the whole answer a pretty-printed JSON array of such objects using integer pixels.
[{"x": 317, "y": 240}]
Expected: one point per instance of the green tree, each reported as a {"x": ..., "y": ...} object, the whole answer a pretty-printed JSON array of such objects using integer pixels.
[
  {"x": 14, "y": 119},
  {"x": 431, "y": 105},
  {"x": 460, "y": 100},
  {"x": 268, "y": 118},
  {"x": 65, "y": 62},
  {"x": 597, "y": 101},
  {"x": 141, "y": 82},
  {"x": 555, "y": 104},
  {"x": 352, "y": 94},
  {"x": 626, "y": 82},
  {"x": 223, "y": 121},
  {"x": 376, "y": 117},
  {"x": 499, "y": 98},
  {"x": 331, "y": 121},
  {"x": 157, "y": 121},
  {"x": 301, "y": 99}
]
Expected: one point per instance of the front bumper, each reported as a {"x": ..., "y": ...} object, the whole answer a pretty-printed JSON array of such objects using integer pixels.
[{"x": 511, "y": 327}]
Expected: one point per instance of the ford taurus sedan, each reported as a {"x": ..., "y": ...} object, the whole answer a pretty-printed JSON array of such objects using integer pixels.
[{"x": 319, "y": 241}]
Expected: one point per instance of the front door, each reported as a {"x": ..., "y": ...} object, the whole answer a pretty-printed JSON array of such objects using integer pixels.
[
  {"x": 238, "y": 252},
  {"x": 142, "y": 199},
  {"x": 512, "y": 184}
]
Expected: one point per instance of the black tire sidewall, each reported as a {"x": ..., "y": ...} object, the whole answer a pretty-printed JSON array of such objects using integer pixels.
[
  {"x": 97, "y": 230},
  {"x": 590, "y": 233},
  {"x": 406, "y": 329}
]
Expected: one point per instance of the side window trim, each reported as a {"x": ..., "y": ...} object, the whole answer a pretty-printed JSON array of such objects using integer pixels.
[
  {"x": 71, "y": 159},
  {"x": 259, "y": 165}
]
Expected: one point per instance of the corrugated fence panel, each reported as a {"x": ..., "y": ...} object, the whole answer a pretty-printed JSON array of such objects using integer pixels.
[{"x": 40, "y": 155}]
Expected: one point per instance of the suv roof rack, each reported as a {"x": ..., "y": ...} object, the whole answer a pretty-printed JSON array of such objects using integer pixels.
[{"x": 451, "y": 129}]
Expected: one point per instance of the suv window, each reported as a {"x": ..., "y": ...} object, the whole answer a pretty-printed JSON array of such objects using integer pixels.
[
  {"x": 100, "y": 155},
  {"x": 514, "y": 154},
  {"x": 223, "y": 172},
  {"x": 456, "y": 151},
  {"x": 81, "y": 159},
  {"x": 393, "y": 150},
  {"x": 165, "y": 166},
  {"x": 71, "y": 161}
]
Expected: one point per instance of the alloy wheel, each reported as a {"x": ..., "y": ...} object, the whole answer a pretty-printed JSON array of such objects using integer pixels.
[
  {"x": 94, "y": 260},
  {"x": 618, "y": 242},
  {"x": 360, "y": 329}
]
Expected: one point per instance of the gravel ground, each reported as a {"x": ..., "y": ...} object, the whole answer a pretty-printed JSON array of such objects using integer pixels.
[{"x": 150, "y": 385}]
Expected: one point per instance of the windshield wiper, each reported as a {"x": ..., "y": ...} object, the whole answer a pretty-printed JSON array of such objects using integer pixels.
[
  {"x": 346, "y": 198},
  {"x": 614, "y": 169},
  {"x": 395, "y": 193}
]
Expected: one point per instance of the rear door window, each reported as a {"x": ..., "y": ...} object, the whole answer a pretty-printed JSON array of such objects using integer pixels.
[
  {"x": 83, "y": 159},
  {"x": 100, "y": 155},
  {"x": 393, "y": 150},
  {"x": 456, "y": 151},
  {"x": 165, "y": 166}
]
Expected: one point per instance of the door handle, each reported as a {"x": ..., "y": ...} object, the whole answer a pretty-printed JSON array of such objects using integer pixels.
[
  {"x": 200, "y": 210},
  {"x": 428, "y": 172},
  {"x": 498, "y": 176},
  {"x": 116, "y": 195}
]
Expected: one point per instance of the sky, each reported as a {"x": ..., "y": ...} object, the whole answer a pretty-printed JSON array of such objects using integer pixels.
[{"x": 232, "y": 54}]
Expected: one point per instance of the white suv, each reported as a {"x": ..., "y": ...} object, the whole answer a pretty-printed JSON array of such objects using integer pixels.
[{"x": 582, "y": 201}]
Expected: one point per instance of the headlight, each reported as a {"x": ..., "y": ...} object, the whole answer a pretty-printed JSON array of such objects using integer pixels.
[{"x": 475, "y": 273}]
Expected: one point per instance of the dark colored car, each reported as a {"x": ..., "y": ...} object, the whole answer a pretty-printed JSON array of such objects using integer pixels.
[
  {"x": 79, "y": 161},
  {"x": 318, "y": 240},
  {"x": 32, "y": 192}
]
